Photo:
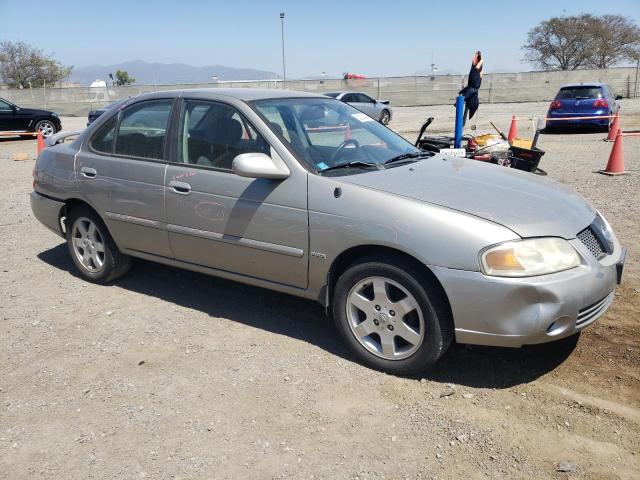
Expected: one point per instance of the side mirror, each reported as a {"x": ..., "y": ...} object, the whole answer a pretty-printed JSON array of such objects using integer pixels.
[
  {"x": 618, "y": 97},
  {"x": 258, "y": 165}
]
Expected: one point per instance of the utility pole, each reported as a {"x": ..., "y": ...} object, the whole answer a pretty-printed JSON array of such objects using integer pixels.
[{"x": 284, "y": 71}]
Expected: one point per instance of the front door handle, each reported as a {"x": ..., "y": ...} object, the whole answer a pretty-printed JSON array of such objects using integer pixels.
[
  {"x": 88, "y": 172},
  {"x": 180, "y": 188}
]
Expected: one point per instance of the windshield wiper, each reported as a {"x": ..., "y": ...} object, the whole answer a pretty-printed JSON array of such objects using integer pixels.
[
  {"x": 407, "y": 156},
  {"x": 356, "y": 164}
]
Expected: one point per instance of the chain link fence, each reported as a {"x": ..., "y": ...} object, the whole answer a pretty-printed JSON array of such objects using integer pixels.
[{"x": 400, "y": 91}]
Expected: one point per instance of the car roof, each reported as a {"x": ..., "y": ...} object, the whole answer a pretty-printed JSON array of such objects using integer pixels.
[
  {"x": 244, "y": 94},
  {"x": 587, "y": 84}
]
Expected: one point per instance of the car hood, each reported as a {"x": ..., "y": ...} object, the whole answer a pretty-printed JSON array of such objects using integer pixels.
[
  {"x": 529, "y": 205},
  {"x": 34, "y": 112}
]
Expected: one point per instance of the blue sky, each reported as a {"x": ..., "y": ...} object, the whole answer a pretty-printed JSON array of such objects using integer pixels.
[{"x": 392, "y": 37}]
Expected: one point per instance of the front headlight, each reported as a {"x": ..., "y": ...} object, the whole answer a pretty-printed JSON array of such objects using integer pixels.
[{"x": 526, "y": 258}]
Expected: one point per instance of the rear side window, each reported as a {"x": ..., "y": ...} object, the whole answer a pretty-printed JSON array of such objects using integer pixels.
[
  {"x": 142, "y": 129},
  {"x": 103, "y": 140}
]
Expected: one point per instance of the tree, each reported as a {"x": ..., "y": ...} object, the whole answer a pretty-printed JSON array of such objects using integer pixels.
[
  {"x": 558, "y": 43},
  {"x": 613, "y": 39},
  {"x": 582, "y": 41},
  {"x": 123, "y": 78},
  {"x": 22, "y": 65}
]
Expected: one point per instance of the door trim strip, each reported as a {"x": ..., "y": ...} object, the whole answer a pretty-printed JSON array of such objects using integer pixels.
[
  {"x": 242, "y": 241},
  {"x": 137, "y": 220}
]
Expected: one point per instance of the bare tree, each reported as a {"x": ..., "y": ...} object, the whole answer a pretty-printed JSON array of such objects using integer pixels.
[
  {"x": 582, "y": 41},
  {"x": 558, "y": 44},
  {"x": 22, "y": 65},
  {"x": 613, "y": 39}
]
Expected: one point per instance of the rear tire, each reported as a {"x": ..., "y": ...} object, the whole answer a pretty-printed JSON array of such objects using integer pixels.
[
  {"x": 92, "y": 250},
  {"x": 391, "y": 316}
]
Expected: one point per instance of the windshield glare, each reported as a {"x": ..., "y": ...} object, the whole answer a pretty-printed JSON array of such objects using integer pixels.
[{"x": 324, "y": 133}]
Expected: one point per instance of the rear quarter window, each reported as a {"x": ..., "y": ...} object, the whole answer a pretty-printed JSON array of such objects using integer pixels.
[{"x": 102, "y": 141}]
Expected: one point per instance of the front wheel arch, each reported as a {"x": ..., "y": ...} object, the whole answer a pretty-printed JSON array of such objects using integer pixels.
[
  {"x": 393, "y": 256},
  {"x": 48, "y": 119}
]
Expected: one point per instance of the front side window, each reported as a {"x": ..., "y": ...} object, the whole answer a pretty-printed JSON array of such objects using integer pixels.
[
  {"x": 212, "y": 134},
  {"x": 324, "y": 133},
  {"x": 4, "y": 105},
  {"x": 142, "y": 129}
]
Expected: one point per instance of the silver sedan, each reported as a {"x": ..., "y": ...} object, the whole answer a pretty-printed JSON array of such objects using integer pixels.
[
  {"x": 306, "y": 195},
  {"x": 377, "y": 109}
]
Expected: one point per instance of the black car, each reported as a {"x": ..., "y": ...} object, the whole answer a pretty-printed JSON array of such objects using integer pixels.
[
  {"x": 94, "y": 114},
  {"x": 18, "y": 119}
]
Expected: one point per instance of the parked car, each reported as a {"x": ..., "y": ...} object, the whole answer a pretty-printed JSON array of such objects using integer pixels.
[
  {"x": 377, "y": 109},
  {"x": 583, "y": 100},
  {"x": 408, "y": 250},
  {"x": 19, "y": 119},
  {"x": 94, "y": 114}
]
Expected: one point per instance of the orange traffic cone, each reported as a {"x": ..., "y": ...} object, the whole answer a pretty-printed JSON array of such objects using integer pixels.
[
  {"x": 613, "y": 129},
  {"x": 40, "y": 142},
  {"x": 513, "y": 129},
  {"x": 615, "y": 166}
]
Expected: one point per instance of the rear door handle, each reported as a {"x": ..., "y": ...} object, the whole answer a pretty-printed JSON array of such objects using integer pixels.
[
  {"x": 180, "y": 188},
  {"x": 88, "y": 172}
]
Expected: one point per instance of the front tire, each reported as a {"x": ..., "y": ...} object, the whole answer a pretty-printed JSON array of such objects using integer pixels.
[
  {"x": 385, "y": 117},
  {"x": 391, "y": 316},
  {"x": 46, "y": 127},
  {"x": 92, "y": 250}
]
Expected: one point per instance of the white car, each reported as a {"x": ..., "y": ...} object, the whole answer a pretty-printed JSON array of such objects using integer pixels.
[{"x": 377, "y": 109}]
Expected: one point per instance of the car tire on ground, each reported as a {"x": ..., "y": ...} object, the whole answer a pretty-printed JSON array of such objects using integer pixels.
[
  {"x": 47, "y": 127},
  {"x": 385, "y": 116},
  {"x": 391, "y": 315},
  {"x": 92, "y": 250}
]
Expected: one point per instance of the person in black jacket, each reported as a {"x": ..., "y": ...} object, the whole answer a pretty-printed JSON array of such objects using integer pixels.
[{"x": 470, "y": 92}]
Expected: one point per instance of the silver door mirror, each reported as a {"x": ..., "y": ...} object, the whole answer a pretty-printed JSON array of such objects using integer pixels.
[{"x": 258, "y": 165}]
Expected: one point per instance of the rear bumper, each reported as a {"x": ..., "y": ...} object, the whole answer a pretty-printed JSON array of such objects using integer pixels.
[
  {"x": 511, "y": 312},
  {"x": 599, "y": 122},
  {"x": 47, "y": 211}
]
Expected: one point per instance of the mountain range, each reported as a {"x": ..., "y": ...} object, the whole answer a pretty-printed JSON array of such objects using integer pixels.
[{"x": 148, "y": 73}]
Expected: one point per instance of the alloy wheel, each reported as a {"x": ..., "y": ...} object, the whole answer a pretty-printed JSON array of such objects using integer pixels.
[
  {"x": 385, "y": 318},
  {"x": 88, "y": 244},
  {"x": 46, "y": 128}
]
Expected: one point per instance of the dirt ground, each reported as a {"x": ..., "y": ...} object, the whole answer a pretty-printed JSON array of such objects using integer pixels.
[{"x": 169, "y": 374}]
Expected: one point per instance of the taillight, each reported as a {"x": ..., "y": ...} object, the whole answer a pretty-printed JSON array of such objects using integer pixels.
[
  {"x": 601, "y": 103},
  {"x": 556, "y": 104}
]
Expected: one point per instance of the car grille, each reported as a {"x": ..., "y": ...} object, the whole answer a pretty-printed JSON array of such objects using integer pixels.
[
  {"x": 589, "y": 239},
  {"x": 593, "y": 311}
]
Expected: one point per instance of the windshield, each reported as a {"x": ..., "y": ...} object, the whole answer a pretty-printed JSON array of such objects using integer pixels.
[
  {"x": 324, "y": 133},
  {"x": 574, "y": 93}
]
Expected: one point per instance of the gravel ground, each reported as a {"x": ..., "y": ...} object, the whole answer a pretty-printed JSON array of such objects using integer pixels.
[{"x": 172, "y": 374}]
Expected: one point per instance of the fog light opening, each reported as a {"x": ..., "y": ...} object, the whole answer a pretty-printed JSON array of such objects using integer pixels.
[{"x": 558, "y": 326}]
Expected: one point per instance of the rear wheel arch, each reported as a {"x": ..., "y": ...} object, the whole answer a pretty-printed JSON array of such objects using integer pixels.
[
  {"x": 74, "y": 203},
  {"x": 379, "y": 253}
]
